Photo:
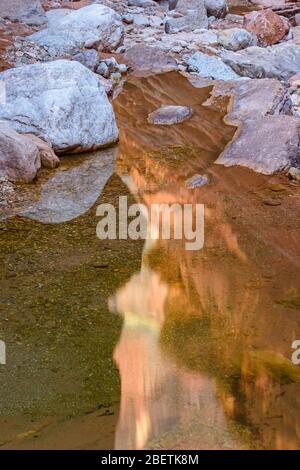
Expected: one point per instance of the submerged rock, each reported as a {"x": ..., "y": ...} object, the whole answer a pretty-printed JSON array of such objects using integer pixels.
[
  {"x": 91, "y": 26},
  {"x": 268, "y": 145},
  {"x": 19, "y": 156},
  {"x": 197, "y": 181},
  {"x": 168, "y": 115},
  {"x": 62, "y": 102},
  {"x": 269, "y": 27},
  {"x": 25, "y": 11},
  {"x": 210, "y": 67},
  {"x": 280, "y": 61}
]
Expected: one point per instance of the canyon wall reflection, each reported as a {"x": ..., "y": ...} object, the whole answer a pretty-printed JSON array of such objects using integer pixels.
[{"x": 206, "y": 340}]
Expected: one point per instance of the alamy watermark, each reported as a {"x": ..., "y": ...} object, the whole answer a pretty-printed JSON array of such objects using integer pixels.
[
  {"x": 160, "y": 221},
  {"x": 2, "y": 353},
  {"x": 296, "y": 354}
]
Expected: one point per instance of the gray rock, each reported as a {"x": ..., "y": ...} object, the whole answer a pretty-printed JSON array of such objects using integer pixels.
[
  {"x": 123, "y": 69},
  {"x": 216, "y": 8},
  {"x": 294, "y": 174},
  {"x": 116, "y": 76},
  {"x": 72, "y": 192},
  {"x": 89, "y": 58},
  {"x": 19, "y": 156},
  {"x": 280, "y": 61},
  {"x": 210, "y": 67},
  {"x": 91, "y": 26},
  {"x": 207, "y": 38},
  {"x": 297, "y": 19},
  {"x": 26, "y": 11},
  {"x": 235, "y": 39},
  {"x": 112, "y": 64},
  {"x": 194, "y": 19},
  {"x": 141, "y": 21},
  {"x": 168, "y": 115},
  {"x": 268, "y": 145},
  {"x": 141, "y": 3},
  {"x": 62, "y": 102},
  {"x": 103, "y": 70},
  {"x": 183, "y": 6},
  {"x": 266, "y": 140},
  {"x": 250, "y": 99}
]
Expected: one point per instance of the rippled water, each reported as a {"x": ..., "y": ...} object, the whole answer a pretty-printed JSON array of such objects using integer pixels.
[{"x": 133, "y": 344}]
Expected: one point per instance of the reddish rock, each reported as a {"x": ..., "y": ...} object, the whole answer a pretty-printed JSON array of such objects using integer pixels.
[
  {"x": 48, "y": 157},
  {"x": 19, "y": 157},
  {"x": 269, "y": 27},
  {"x": 146, "y": 60}
]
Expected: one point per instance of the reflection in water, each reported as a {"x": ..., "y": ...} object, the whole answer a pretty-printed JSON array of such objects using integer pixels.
[
  {"x": 204, "y": 351},
  {"x": 158, "y": 398}
]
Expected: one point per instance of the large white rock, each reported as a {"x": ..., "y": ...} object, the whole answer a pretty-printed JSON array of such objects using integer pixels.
[
  {"x": 94, "y": 25},
  {"x": 62, "y": 102}
]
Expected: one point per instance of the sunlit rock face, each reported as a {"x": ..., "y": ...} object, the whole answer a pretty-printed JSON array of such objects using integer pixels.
[{"x": 206, "y": 334}]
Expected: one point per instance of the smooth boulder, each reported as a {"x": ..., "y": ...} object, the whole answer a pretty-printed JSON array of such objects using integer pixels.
[
  {"x": 91, "y": 26},
  {"x": 62, "y": 102},
  {"x": 168, "y": 115}
]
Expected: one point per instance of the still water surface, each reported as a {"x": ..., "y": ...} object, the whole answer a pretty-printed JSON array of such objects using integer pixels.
[{"x": 139, "y": 344}]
